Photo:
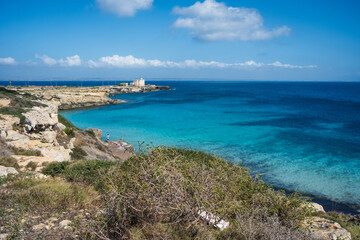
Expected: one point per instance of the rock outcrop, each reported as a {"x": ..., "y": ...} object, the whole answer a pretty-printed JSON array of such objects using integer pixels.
[
  {"x": 323, "y": 229},
  {"x": 41, "y": 118},
  {"x": 73, "y": 97},
  {"x": 78, "y": 97},
  {"x": 4, "y": 171}
]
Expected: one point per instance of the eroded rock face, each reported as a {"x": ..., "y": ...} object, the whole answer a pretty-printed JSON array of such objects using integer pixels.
[
  {"x": 7, "y": 122},
  {"x": 4, "y": 171},
  {"x": 322, "y": 228},
  {"x": 41, "y": 118},
  {"x": 48, "y": 150}
]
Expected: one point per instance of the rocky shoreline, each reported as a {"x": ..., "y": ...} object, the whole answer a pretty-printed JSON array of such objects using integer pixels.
[
  {"x": 38, "y": 135},
  {"x": 80, "y": 97}
]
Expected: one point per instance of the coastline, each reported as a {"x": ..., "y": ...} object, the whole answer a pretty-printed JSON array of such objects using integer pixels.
[
  {"x": 68, "y": 97},
  {"x": 41, "y": 123}
]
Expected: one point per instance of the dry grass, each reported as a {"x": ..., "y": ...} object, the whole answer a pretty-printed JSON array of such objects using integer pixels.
[{"x": 53, "y": 194}]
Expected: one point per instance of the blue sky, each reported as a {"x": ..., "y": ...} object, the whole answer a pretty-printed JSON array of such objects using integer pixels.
[{"x": 171, "y": 39}]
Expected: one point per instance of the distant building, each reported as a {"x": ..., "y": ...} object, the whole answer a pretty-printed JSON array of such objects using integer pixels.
[
  {"x": 138, "y": 83},
  {"x": 123, "y": 84}
]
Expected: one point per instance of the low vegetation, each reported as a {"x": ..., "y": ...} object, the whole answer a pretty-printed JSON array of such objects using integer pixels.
[
  {"x": 158, "y": 194},
  {"x": 26, "y": 152},
  {"x": 9, "y": 162},
  {"x": 66, "y": 122},
  {"x": 77, "y": 153},
  {"x": 91, "y": 133}
]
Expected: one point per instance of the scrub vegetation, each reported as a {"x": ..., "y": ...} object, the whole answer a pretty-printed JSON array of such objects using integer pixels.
[{"x": 158, "y": 193}]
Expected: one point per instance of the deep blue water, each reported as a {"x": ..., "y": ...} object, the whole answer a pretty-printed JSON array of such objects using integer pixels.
[{"x": 299, "y": 135}]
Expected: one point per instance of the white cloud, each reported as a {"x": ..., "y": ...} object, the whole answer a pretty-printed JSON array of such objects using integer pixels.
[
  {"x": 46, "y": 59},
  {"x": 214, "y": 21},
  {"x": 279, "y": 64},
  {"x": 7, "y": 61},
  {"x": 69, "y": 61},
  {"x": 124, "y": 8},
  {"x": 133, "y": 62},
  {"x": 117, "y": 61}
]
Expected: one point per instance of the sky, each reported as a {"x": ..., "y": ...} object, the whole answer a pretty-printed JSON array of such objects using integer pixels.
[{"x": 279, "y": 40}]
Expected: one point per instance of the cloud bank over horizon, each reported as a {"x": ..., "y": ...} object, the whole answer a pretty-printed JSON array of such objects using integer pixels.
[
  {"x": 212, "y": 21},
  {"x": 124, "y": 8},
  {"x": 129, "y": 61},
  {"x": 8, "y": 61}
]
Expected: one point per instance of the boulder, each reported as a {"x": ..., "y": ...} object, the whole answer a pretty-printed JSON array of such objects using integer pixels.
[
  {"x": 41, "y": 227},
  {"x": 64, "y": 223},
  {"x": 41, "y": 118},
  {"x": 315, "y": 207},
  {"x": 4, "y": 236},
  {"x": 322, "y": 228},
  {"x": 4, "y": 171},
  {"x": 59, "y": 127}
]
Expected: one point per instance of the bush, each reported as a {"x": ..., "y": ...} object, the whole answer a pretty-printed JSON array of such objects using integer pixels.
[
  {"x": 66, "y": 122},
  {"x": 88, "y": 172},
  {"x": 55, "y": 168},
  {"x": 31, "y": 165},
  {"x": 69, "y": 132},
  {"x": 26, "y": 152},
  {"x": 9, "y": 162},
  {"x": 77, "y": 153},
  {"x": 169, "y": 186},
  {"x": 91, "y": 133}
]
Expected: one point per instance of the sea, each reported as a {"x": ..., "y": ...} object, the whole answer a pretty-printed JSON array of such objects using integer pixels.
[{"x": 299, "y": 136}]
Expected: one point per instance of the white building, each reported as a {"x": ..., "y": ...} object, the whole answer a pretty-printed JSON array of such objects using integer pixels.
[{"x": 138, "y": 83}]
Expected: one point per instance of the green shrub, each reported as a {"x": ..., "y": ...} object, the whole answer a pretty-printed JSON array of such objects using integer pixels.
[
  {"x": 91, "y": 133},
  {"x": 69, "y": 132},
  {"x": 14, "y": 111},
  {"x": 66, "y": 122},
  {"x": 77, "y": 153},
  {"x": 9, "y": 162},
  {"x": 55, "y": 168},
  {"x": 26, "y": 152},
  {"x": 169, "y": 186},
  {"x": 31, "y": 165},
  {"x": 6, "y": 93},
  {"x": 88, "y": 171}
]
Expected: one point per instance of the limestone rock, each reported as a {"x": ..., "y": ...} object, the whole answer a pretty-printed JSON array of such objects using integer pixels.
[
  {"x": 59, "y": 127},
  {"x": 14, "y": 136},
  {"x": 3, "y": 236},
  {"x": 322, "y": 228},
  {"x": 7, "y": 122},
  {"x": 316, "y": 207},
  {"x": 41, "y": 118},
  {"x": 48, "y": 150},
  {"x": 4, "y": 171},
  {"x": 40, "y": 227},
  {"x": 49, "y": 136},
  {"x": 64, "y": 223},
  {"x": 4, "y": 102}
]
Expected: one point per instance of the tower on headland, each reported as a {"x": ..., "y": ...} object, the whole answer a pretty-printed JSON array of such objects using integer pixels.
[{"x": 138, "y": 83}]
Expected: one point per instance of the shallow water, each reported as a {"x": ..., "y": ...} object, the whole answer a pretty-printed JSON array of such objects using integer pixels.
[{"x": 299, "y": 136}]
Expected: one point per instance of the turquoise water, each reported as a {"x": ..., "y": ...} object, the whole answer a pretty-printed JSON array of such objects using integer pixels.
[{"x": 299, "y": 136}]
